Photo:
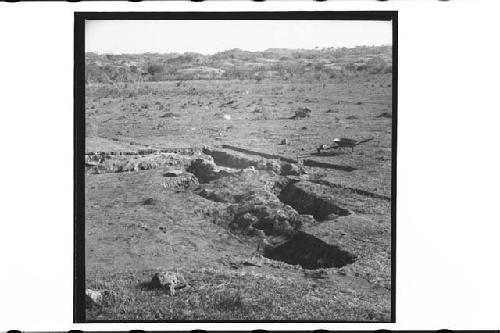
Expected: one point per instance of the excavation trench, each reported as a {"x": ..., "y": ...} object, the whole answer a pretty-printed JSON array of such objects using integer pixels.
[
  {"x": 309, "y": 198},
  {"x": 306, "y": 162},
  {"x": 275, "y": 217},
  {"x": 310, "y": 252}
]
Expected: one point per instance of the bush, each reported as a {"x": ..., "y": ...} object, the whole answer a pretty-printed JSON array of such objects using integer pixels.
[
  {"x": 376, "y": 65},
  {"x": 154, "y": 69}
]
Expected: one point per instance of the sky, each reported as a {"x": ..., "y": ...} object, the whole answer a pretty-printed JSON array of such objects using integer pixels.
[{"x": 208, "y": 37}]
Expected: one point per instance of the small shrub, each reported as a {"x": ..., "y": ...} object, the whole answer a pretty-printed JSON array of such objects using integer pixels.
[{"x": 154, "y": 69}]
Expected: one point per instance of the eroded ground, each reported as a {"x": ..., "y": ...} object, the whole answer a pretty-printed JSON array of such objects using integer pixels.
[{"x": 257, "y": 237}]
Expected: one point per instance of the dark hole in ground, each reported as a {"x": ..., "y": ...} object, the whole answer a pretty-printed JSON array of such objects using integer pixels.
[
  {"x": 323, "y": 165},
  {"x": 264, "y": 226},
  {"x": 307, "y": 198},
  {"x": 310, "y": 252}
]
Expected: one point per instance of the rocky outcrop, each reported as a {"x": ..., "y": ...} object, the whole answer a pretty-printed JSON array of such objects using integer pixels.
[{"x": 106, "y": 163}]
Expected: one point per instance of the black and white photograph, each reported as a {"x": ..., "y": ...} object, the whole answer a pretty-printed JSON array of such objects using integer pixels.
[
  {"x": 238, "y": 168},
  {"x": 249, "y": 166}
]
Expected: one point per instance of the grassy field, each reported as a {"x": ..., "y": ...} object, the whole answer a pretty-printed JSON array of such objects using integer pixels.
[{"x": 135, "y": 226}]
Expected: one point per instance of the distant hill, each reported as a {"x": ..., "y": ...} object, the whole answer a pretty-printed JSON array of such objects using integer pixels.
[{"x": 238, "y": 64}]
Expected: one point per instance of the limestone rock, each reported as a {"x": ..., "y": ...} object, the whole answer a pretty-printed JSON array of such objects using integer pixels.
[
  {"x": 168, "y": 280},
  {"x": 307, "y": 219},
  {"x": 96, "y": 297},
  {"x": 245, "y": 221},
  {"x": 291, "y": 169}
]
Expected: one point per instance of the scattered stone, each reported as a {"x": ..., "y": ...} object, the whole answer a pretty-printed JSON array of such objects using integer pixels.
[
  {"x": 244, "y": 221},
  {"x": 216, "y": 196},
  {"x": 169, "y": 115},
  {"x": 273, "y": 165},
  {"x": 291, "y": 169},
  {"x": 148, "y": 201},
  {"x": 96, "y": 297},
  {"x": 92, "y": 298},
  {"x": 302, "y": 112},
  {"x": 143, "y": 226},
  {"x": 307, "y": 219},
  {"x": 168, "y": 280}
]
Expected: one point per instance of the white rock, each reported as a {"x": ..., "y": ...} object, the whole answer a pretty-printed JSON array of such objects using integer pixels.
[
  {"x": 168, "y": 280},
  {"x": 93, "y": 297}
]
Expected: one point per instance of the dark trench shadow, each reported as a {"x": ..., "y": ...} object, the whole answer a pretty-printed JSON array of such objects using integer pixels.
[
  {"x": 310, "y": 252},
  {"x": 313, "y": 163},
  {"x": 330, "y": 153}
]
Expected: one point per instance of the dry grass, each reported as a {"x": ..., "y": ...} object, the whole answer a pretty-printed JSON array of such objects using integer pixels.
[{"x": 219, "y": 295}]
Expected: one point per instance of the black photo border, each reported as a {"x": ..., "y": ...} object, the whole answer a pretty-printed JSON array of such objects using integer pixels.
[{"x": 79, "y": 135}]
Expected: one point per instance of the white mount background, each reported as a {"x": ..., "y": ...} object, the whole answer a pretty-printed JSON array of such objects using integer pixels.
[{"x": 448, "y": 224}]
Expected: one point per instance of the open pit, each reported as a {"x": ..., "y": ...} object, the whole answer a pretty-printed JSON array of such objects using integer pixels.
[
  {"x": 310, "y": 198},
  {"x": 310, "y": 252}
]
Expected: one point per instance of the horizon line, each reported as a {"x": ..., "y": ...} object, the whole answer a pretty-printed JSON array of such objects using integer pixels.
[{"x": 238, "y": 49}]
